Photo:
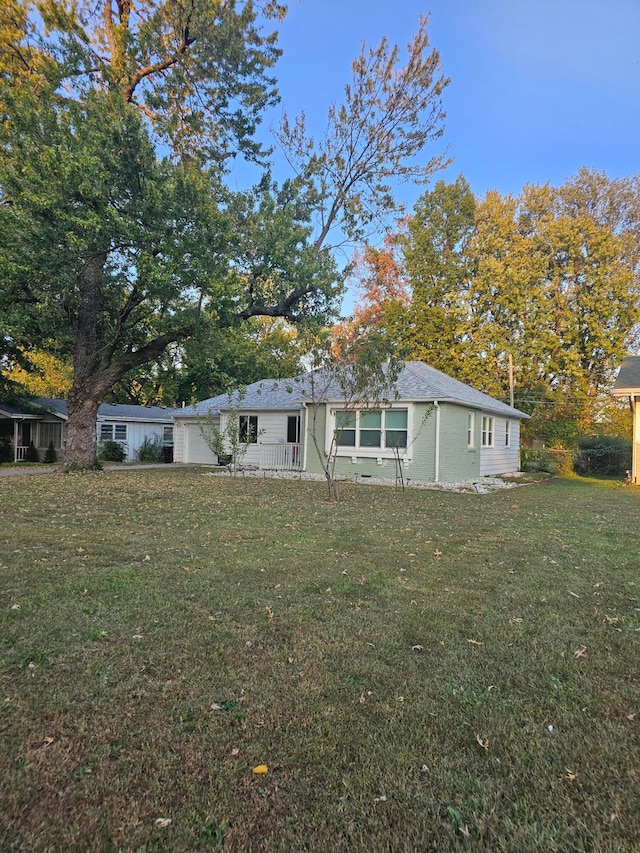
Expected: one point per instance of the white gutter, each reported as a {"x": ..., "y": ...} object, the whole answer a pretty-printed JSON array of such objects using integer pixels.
[
  {"x": 437, "y": 449},
  {"x": 304, "y": 434}
]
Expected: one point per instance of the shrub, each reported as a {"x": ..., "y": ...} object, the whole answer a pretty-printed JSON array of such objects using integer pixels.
[
  {"x": 32, "y": 453},
  {"x": 111, "y": 451},
  {"x": 5, "y": 450},
  {"x": 603, "y": 454},
  {"x": 557, "y": 461},
  {"x": 50, "y": 455},
  {"x": 150, "y": 450}
]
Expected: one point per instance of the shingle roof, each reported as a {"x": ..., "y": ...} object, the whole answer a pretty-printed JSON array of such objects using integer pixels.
[
  {"x": 628, "y": 380},
  {"x": 416, "y": 382},
  {"x": 109, "y": 411}
]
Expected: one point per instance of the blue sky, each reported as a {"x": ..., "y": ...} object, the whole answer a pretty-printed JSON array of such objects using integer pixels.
[{"x": 538, "y": 88}]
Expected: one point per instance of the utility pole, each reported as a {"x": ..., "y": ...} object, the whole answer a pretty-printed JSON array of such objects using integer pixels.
[{"x": 511, "y": 380}]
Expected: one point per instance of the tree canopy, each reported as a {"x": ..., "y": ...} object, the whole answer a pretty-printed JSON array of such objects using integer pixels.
[{"x": 550, "y": 277}]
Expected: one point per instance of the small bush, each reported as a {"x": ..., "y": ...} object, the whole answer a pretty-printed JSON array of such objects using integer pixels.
[
  {"x": 603, "y": 454},
  {"x": 5, "y": 450},
  {"x": 111, "y": 451},
  {"x": 150, "y": 450},
  {"x": 32, "y": 453},
  {"x": 559, "y": 462},
  {"x": 50, "y": 455}
]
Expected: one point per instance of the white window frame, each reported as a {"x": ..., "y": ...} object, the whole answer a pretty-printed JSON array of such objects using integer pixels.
[
  {"x": 113, "y": 432},
  {"x": 50, "y": 431},
  {"x": 167, "y": 435},
  {"x": 245, "y": 431},
  {"x": 471, "y": 430},
  {"x": 488, "y": 431},
  {"x": 368, "y": 452},
  {"x": 507, "y": 433}
]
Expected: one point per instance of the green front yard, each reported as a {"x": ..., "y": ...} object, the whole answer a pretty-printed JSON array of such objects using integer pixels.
[{"x": 417, "y": 671}]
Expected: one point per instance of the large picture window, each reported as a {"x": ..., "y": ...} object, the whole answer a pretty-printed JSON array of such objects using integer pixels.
[
  {"x": 371, "y": 429},
  {"x": 50, "y": 432}
]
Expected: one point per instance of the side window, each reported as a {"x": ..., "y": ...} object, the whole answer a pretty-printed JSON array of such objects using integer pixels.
[
  {"x": 249, "y": 429},
  {"x": 487, "y": 432}
]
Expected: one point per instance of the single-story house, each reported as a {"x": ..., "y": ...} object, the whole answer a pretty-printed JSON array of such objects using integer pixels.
[
  {"x": 627, "y": 384},
  {"x": 437, "y": 428},
  {"x": 44, "y": 420}
]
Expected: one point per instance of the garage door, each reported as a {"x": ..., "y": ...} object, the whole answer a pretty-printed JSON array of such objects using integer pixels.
[{"x": 196, "y": 448}]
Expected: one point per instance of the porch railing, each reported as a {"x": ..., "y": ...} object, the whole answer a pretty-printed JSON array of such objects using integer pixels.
[
  {"x": 280, "y": 457},
  {"x": 21, "y": 453}
]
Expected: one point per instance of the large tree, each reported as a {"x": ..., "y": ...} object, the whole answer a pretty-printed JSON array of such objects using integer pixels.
[{"x": 119, "y": 237}]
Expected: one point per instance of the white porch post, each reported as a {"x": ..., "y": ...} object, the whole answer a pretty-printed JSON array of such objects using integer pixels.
[{"x": 15, "y": 441}]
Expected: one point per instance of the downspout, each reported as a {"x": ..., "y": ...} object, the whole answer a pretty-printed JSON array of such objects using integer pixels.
[
  {"x": 303, "y": 435},
  {"x": 437, "y": 449}
]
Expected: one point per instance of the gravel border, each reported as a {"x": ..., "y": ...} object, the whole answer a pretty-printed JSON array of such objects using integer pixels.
[{"x": 481, "y": 486}]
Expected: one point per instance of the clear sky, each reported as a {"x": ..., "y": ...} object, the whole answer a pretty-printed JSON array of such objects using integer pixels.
[{"x": 538, "y": 88}]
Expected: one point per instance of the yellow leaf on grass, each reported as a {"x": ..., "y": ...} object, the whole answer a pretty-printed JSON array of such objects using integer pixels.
[
  {"x": 261, "y": 769},
  {"x": 475, "y": 642}
]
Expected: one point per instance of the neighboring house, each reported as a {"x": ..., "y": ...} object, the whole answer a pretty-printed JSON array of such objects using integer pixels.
[
  {"x": 627, "y": 384},
  {"x": 44, "y": 421},
  {"x": 437, "y": 428}
]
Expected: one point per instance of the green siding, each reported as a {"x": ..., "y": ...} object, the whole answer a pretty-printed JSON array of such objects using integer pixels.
[
  {"x": 457, "y": 461},
  {"x": 313, "y": 465}
]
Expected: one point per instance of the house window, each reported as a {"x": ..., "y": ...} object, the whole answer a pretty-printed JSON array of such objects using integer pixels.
[
  {"x": 248, "y": 433},
  {"x": 113, "y": 432},
  {"x": 371, "y": 429},
  {"x": 471, "y": 429},
  {"x": 487, "y": 432},
  {"x": 50, "y": 433},
  {"x": 507, "y": 433},
  {"x": 293, "y": 429},
  {"x": 346, "y": 428},
  {"x": 167, "y": 435},
  {"x": 395, "y": 426}
]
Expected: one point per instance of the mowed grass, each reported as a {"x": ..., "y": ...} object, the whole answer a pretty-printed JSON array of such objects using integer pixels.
[{"x": 418, "y": 670}]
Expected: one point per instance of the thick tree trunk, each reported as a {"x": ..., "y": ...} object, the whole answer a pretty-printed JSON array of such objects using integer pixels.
[{"x": 81, "y": 446}]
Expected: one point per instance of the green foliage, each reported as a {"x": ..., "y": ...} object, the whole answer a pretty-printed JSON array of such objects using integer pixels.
[
  {"x": 603, "y": 454},
  {"x": 50, "y": 455},
  {"x": 32, "y": 453},
  {"x": 550, "y": 276},
  {"x": 559, "y": 461},
  {"x": 111, "y": 451},
  {"x": 150, "y": 450}
]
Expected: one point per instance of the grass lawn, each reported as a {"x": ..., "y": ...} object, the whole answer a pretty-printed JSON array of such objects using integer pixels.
[{"x": 417, "y": 671}]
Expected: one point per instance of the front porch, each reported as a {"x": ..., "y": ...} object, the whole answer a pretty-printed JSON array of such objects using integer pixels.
[{"x": 280, "y": 456}]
